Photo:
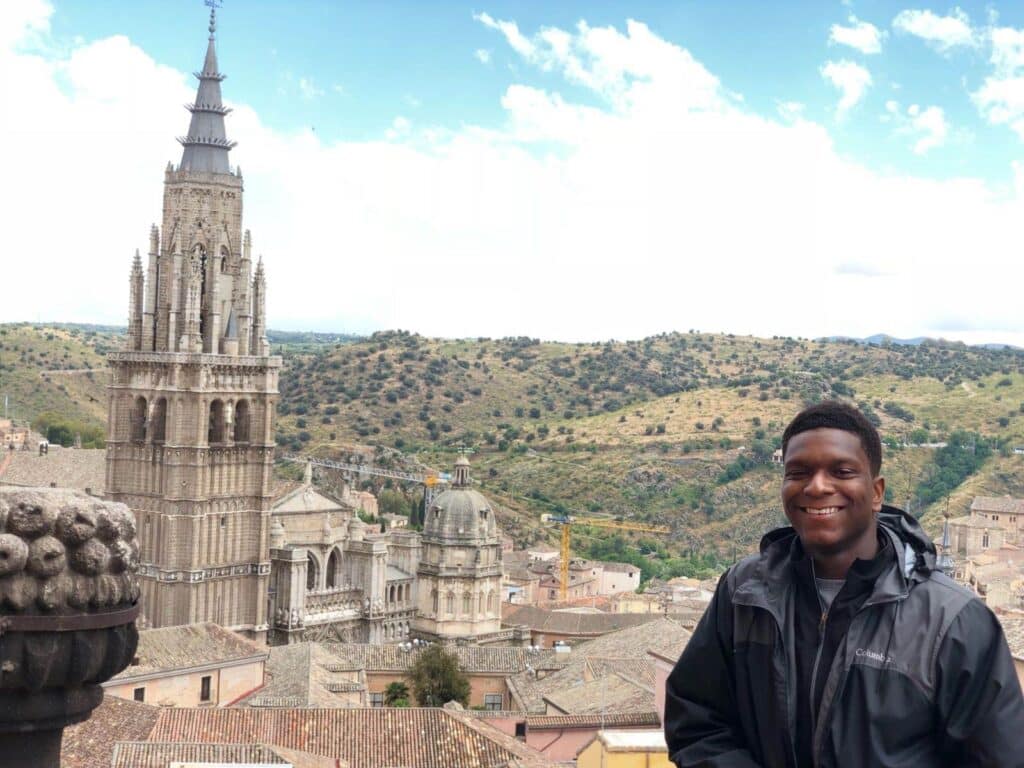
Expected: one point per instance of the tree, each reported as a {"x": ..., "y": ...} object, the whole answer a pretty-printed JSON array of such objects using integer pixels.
[
  {"x": 396, "y": 695},
  {"x": 435, "y": 678}
]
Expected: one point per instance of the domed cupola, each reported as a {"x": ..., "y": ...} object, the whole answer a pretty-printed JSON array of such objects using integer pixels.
[{"x": 460, "y": 513}]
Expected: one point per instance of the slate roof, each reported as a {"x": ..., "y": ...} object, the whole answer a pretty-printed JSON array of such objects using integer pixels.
[
  {"x": 611, "y": 693},
  {"x": 565, "y": 623},
  {"x": 365, "y": 738},
  {"x": 298, "y": 676},
  {"x": 998, "y": 504},
  {"x": 664, "y": 636},
  {"x": 91, "y": 744},
  {"x": 175, "y": 648}
]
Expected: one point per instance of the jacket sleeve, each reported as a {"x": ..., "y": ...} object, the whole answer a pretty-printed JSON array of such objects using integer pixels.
[
  {"x": 701, "y": 725},
  {"x": 978, "y": 693}
]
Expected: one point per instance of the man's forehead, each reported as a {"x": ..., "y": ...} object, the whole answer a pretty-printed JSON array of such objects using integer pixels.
[{"x": 831, "y": 438}]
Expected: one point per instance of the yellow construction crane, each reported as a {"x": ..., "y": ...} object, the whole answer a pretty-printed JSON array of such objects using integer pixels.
[{"x": 567, "y": 521}]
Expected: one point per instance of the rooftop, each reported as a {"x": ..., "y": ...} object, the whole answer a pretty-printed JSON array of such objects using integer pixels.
[
  {"x": 192, "y": 645},
  {"x": 560, "y": 622},
  {"x": 633, "y": 741},
  {"x": 472, "y": 659},
  {"x": 78, "y": 468},
  {"x": 91, "y": 744},
  {"x": 298, "y": 676},
  {"x": 364, "y": 738},
  {"x": 998, "y": 504}
]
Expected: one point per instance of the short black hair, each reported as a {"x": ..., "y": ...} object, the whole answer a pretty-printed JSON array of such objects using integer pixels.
[{"x": 832, "y": 414}]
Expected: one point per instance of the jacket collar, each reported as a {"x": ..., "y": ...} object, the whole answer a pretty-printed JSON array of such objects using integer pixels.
[{"x": 914, "y": 560}]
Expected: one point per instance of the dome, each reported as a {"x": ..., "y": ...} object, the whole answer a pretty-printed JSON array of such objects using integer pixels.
[{"x": 460, "y": 513}]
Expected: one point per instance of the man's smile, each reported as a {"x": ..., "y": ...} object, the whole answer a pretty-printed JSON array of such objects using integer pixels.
[{"x": 820, "y": 511}]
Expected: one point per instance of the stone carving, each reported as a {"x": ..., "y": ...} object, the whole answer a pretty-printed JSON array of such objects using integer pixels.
[{"x": 68, "y": 599}]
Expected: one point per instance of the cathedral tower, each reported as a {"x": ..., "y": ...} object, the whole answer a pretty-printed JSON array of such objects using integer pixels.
[
  {"x": 190, "y": 436},
  {"x": 459, "y": 573}
]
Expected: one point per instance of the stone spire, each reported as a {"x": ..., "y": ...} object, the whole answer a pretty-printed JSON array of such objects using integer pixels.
[
  {"x": 945, "y": 563},
  {"x": 135, "y": 299},
  {"x": 260, "y": 345},
  {"x": 206, "y": 145}
]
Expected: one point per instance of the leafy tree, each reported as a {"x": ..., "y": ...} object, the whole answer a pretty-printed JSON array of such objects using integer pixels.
[
  {"x": 435, "y": 678},
  {"x": 396, "y": 695}
]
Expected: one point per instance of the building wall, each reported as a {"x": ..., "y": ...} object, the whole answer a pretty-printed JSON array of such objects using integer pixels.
[
  {"x": 614, "y": 582},
  {"x": 183, "y": 689},
  {"x": 479, "y": 684},
  {"x": 596, "y": 756}
]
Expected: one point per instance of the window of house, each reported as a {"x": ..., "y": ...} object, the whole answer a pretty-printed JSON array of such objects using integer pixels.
[
  {"x": 984, "y": 540},
  {"x": 377, "y": 699},
  {"x": 521, "y": 730},
  {"x": 204, "y": 688},
  {"x": 139, "y": 694},
  {"x": 492, "y": 701}
]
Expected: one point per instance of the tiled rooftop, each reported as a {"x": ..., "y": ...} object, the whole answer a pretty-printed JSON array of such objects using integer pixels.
[
  {"x": 365, "y": 738},
  {"x": 661, "y": 635},
  {"x": 172, "y": 648},
  {"x": 1013, "y": 628},
  {"x": 91, "y": 744},
  {"x": 611, "y": 693},
  {"x": 298, "y": 676},
  {"x": 77, "y": 468},
  {"x": 599, "y": 720},
  {"x": 559, "y": 622}
]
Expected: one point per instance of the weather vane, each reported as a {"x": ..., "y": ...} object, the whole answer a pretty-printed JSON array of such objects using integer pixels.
[{"x": 213, "y": 5}]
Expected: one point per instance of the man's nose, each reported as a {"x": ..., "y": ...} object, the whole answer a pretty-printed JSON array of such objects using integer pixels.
[{"x": 818, "y": 484}]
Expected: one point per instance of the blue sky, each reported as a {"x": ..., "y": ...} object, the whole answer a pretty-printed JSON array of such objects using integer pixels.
[{"x": 655, "y": 166}]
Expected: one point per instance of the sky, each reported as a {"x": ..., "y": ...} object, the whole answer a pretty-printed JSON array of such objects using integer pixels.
[{"x": 572, "y": 171}]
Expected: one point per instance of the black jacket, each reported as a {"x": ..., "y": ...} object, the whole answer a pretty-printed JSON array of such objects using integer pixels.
[{"x": 919, "y": 672}]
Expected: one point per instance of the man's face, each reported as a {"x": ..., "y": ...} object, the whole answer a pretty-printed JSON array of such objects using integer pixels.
[{"x": 829, "y": 493}]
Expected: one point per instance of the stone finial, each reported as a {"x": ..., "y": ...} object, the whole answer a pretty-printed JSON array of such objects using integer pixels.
[
  {"x": 277, "y": 534},
  {"x": 70, "y": 599}
]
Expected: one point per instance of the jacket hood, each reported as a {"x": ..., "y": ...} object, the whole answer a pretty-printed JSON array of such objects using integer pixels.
[{"x": 919, "y": 551}]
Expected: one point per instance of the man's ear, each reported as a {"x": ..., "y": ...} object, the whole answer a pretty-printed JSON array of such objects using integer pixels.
[{"x": 879, "y": 493}]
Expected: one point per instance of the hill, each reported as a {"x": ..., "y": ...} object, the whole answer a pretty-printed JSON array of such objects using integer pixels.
[{"x": 676, "y": 429}]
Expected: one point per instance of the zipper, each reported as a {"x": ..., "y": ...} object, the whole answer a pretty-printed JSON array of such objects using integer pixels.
[{"x": 822, "y": 626}]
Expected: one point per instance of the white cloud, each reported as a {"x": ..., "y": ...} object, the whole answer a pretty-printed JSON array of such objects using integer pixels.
[
  {"x": 482, "y": 55},
  {"x": 660, "y": 203},
  {"x": 308, "y": 89},
  {"x": 927, "y": 127},
  {"x": 510, "y": 30},
  {"x": 790, "y": 110},
  {"x": 943, "y": 32},
  {"x": 860, "y": 35},
  {"x": 851, "y": 79},
  {"x": 1000, "y": 99}
]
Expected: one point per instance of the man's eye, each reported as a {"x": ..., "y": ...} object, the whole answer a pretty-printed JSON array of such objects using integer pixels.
[{"x": 845, "y": 472}]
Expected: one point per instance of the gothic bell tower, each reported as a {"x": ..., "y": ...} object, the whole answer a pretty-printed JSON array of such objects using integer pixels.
[{"x": 190, "y": 435}]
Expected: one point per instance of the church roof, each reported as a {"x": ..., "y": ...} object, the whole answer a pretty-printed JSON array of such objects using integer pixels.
[
  {"x": 307, "y": 498},
  {"x": 206, "y": 145}
]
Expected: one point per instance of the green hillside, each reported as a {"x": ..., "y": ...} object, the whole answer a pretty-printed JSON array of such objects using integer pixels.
[{"x": 674, "y": 430}]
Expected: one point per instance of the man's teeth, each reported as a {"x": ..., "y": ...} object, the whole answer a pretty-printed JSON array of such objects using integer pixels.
[{"x": 821, "y": 512}]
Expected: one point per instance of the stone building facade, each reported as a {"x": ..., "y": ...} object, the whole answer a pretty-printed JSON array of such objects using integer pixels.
[
  {"x": 190, "y": 437},
  {"x": 334, "y": 577},
  {"x": 459, "y": 572}
]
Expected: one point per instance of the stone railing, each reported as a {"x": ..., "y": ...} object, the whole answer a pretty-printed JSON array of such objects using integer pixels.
[{"x": 334, "y": 599}]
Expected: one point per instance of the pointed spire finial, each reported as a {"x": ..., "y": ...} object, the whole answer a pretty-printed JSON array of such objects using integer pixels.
[{"x": 213, "y": 5}]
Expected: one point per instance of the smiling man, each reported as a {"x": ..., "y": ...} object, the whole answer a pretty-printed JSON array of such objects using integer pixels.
[{"x": 840, "y": 644}]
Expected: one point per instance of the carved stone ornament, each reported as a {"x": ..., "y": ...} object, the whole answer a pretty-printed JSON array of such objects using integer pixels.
[{"x": 69, "y": 598}]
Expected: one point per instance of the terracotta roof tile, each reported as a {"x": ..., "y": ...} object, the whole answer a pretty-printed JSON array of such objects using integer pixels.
[
  {"x": 608, "y": 719},
  {"x": 299, "y": 675},
  {"x": 366, "y": 738},
  {"x": 569, "y": 623},
  {"x": 472, "y": 659},
  {"x": 91, "y": 744},
  {"x": 1004, "y": 504}
]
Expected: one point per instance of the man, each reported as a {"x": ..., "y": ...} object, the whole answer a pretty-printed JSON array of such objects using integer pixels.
[{"x": 840, "y": 644}]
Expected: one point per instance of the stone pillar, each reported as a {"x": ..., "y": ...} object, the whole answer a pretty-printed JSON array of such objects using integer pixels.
[{"x": 70, "y": 600}]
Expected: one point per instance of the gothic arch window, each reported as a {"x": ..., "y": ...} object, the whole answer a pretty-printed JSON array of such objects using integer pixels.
[
  {"x": 451, "y": 602},
  {"x": 223, "y": 258},
  {"x": 467, "y": 603},
  {"x": 139, "y": 420},
  {"x": 215, "y": 431},
  {"x": 491, "y": 602},
  {"x": 333, "y": 566},
  {"x": 433, "y": 599},
  {"x": 391, "y": 593},
  {"x": 984, "y": 540},
  {"x": 242, "y": 421},
  {"x": 312, "y": 572},
  {"x": 481, "y": 603},
  {"x": 158, "y": 426}
]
